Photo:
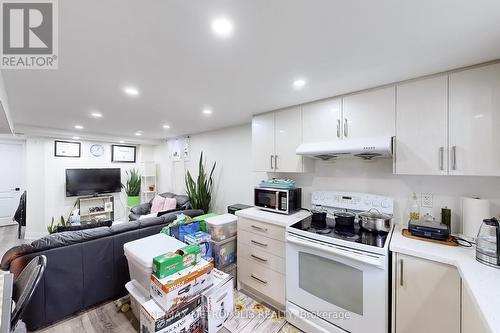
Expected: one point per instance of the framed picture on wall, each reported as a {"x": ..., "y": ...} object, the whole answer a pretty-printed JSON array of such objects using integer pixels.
[
  {"x": 67, "y": 149},
  {"x": 123, "y": 154}
]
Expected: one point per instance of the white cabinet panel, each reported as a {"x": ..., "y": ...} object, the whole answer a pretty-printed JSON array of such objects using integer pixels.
[
  {"x": 421, "y": 127},
  {"x": 475, "y": 121},
  {"x": 321, "y": 121},
  {"x": 427, "y": 296},
  {"x": 263, "y": 142},
  {"x": 288, "y": 132},
  {"x": 370, "y": 113},
  {"x": 472, "y": 319}
]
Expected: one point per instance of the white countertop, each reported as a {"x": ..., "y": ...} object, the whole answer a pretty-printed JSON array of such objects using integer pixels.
[
  {"x": 283, "y": 220},
  {"x": 481, "y": 280}
]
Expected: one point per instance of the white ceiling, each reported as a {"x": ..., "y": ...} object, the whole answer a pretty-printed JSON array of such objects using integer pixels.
[{"x": 167, "y": 50}]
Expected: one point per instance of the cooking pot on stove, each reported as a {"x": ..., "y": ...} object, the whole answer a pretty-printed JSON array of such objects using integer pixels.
[
  {"x": 344, "y": 219},
  {"x": 373, "y": 220}
]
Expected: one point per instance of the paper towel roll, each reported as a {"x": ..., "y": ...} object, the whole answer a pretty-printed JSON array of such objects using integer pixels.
[{"x": 474, "y": 211}]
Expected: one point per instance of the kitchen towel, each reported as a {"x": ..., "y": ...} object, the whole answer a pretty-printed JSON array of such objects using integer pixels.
[{"x": 474, "y": 211}]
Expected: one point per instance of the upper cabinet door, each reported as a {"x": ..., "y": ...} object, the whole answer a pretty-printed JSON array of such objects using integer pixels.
[
  {"x": 322, "y": 121},
  {"x": 370, "y": 113},
  {"x": 421, "y": 127},
  {"x": 263, "y": 142},
  {"x": 475, "y": 121},
  {"x": 288, "y": 131}
]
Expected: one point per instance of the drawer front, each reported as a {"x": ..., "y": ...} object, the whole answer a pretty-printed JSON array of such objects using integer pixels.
[
  {"x": 263, "y": 243},
  {"x": 265, "y": 281},
  {"x": 262, "y": 228},
  {"x": 262, "y": 258}
]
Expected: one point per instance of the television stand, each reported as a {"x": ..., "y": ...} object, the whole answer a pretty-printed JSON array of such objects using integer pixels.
[{"x": 96, "y": 208}]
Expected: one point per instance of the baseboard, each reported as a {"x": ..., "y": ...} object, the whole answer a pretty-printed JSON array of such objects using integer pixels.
[{"x": 35, "y": 235}]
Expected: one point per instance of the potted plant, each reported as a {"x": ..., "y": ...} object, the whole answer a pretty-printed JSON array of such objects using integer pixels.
[
  {"x": 200, "y": 191},
  {"x": 133, "y": 187}
]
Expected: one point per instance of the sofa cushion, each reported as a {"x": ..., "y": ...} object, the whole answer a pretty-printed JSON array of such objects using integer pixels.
[
  {"x": 118, "y": 228},
  {"x": 69, "y": 237}
]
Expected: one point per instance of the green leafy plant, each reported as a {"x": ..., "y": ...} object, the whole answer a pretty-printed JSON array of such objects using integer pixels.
[
  {"x": 133, "y": 185},
  {"x": 200, "y": 192},
  {"x": 52, "y": 228}
]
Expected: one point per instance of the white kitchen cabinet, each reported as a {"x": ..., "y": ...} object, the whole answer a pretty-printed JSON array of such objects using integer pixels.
[
  {"x": 472, "y": 319},
  {"x": 370, "y": 113},
  {"x": 275, "y": 137},
  {"x": 475, "y": 121},
  {"x": 421, "y": 127},
  {"x": 263, "y": 148},
  {"x": 322, "y": 120},
  {"x": 427, "y": 296}
]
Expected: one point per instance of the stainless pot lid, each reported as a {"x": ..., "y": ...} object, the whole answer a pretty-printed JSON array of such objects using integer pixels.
[
  {"x": 344, "y": 214},
  {"x": 375, "y": 214}
]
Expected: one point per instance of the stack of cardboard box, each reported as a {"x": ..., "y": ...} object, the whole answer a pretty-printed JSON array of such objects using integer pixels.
[{"x": 187, "y": 294}]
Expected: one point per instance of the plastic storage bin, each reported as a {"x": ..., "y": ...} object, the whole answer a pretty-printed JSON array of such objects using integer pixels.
[
  {"x": 222, "y": 227},
  {"x": 224, "y": 252},
  {"x": 138, "y": 296},
  {"x": 140, "y": 254},
  {"x": 233, "y": 271}
]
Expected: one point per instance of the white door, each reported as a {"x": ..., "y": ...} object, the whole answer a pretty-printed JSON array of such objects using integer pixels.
[
  {"x": 288, "y": 133},
  {"x": 321, "y": 121},
  {"x": 475, "y": 121},
  {"x": 11, "y": 180},
  {"x": 427, "y": 296},
  {"x": 263, "y": 142},
  {"x": 421, "y": 127},
  {"x": 370, "y": 113}
]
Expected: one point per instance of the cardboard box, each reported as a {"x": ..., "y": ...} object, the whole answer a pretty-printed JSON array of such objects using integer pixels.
[
  {"x": 172, "y": 262},
  {"x": 203, "y": 240},
  {"x": 187, "y": 318},
  {"x": 178, "y": 288},
  {"x": 217, "y": 302}
]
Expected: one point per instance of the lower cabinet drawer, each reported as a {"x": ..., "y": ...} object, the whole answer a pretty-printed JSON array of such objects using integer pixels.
[
  {"x": 265, "y": 281},
  {"x": 260, "y": 257},
  {"x": 262, "y": 228},
  {"x": 266, "y": 244}
]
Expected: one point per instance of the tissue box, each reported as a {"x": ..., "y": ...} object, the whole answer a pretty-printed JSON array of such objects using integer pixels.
[
  {"x": 217, "y": 302},
  {"x": 178, "y": 288},
  {"x": 186, "y": 318},
  {"x": 203, "y": 240},
  {"x": 172, "y": 262}
]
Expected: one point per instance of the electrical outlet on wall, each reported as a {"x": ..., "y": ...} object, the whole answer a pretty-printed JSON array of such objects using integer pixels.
[{"x": 426, "y": 200}]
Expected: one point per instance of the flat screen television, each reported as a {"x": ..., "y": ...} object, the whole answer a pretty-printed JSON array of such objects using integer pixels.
[{"x": 80, "y": 182}]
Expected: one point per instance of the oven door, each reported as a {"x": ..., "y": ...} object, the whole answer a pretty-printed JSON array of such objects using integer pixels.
[{"x": 344, "y": 287}]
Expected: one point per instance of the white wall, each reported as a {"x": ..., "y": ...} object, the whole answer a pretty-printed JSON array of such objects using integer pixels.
[
  {"x": 231, "y": 148},
  {"x": 45, "y": 180}
]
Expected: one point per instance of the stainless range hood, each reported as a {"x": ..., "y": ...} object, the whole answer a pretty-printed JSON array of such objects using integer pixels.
[{"x": 365, "y": 148}]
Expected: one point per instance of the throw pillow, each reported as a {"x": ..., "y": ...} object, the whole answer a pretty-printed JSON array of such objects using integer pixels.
[
  {"x": 142, "y": 217},
  {"x": 170, "y": 203},
  {"x": 157, "y": 204}
]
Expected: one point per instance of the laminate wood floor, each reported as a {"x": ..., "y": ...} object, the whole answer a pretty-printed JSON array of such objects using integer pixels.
[
  {"x": 8, "y": 238},
  {"x": 249, "y": 317}
]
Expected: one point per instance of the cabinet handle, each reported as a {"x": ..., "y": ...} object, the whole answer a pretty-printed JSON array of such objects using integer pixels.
[
  {"x": 346, "y": 129},
  {"x": 272, "y": 156},
  {"x": 258, "y": 258},
  {"x": 259, "y": 228},
  {"x": 454, "y": 157},
  {"x": 401, "y": 272},
  {"x": 441, "y": 158},
  {"x": 258, "y": 243},
  {"x": 338, "y": 128},
  {"x": 257, "y": 279},
  {"x": 276, "y": 162}
]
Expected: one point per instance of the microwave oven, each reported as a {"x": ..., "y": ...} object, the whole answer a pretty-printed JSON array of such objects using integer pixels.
[{"x": 278, "y": 200}]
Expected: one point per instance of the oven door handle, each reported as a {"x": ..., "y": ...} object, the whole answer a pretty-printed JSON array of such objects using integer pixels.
[{"x": 371, "y": 260}]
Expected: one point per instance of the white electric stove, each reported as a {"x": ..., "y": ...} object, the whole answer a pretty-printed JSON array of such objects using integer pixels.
[{"x": 338, "y": 276}]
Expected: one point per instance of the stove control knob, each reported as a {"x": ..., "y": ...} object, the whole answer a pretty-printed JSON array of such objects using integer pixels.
[
  {"x": 368, "y": 202},
  {"x": 384, "y": 204},
  {"x": 376, "y": 203}
]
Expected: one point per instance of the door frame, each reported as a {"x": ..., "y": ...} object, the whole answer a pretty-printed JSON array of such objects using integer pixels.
[{"x": 21, "y": 142}]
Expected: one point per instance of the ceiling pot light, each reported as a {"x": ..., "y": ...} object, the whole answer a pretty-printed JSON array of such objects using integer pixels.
[
  {"x": 78, "y": 127},
  {"x": 131, "y": 91},
  {"x": 138, "y": 133},
  {"x": 166, "y": 126},
  {"x": 299, "y": 83},
  {"x": 96, "y": 115},
  {"x": 207, "y": 112},
  {"x": 222, "y": 27},
  {"x": 121, "y": 141},
  {"x": 76, "y": 138}
]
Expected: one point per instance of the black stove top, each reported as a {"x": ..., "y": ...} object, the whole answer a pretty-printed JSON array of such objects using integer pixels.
[{"x": 354, "y": 234}]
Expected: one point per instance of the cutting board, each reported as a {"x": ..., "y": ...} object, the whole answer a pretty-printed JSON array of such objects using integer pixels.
[{"x": 451, "y": 241}]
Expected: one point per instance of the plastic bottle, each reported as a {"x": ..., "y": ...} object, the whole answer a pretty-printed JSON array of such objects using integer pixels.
[{"x": 414, "y": 208}]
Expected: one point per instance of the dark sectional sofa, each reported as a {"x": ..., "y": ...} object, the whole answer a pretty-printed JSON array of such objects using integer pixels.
[{"x": 84, "y": 268}]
